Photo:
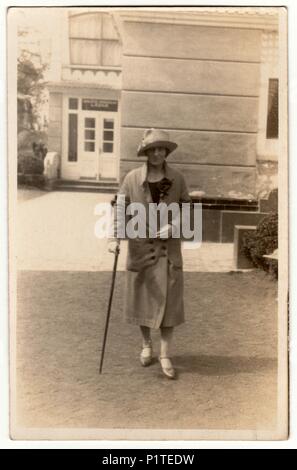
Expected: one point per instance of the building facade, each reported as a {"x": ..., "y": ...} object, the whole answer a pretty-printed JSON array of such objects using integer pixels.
[{"x": 207, "y": 75}]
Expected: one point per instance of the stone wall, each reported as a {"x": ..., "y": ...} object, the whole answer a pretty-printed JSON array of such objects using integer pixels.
[{"x": 202, "y": 84}]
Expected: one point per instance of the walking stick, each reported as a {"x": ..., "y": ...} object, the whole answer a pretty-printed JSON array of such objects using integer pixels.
[{"x": 117, "y": 251}]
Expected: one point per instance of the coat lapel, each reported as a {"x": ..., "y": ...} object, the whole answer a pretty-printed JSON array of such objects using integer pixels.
[{"x": 144, "y": 184}]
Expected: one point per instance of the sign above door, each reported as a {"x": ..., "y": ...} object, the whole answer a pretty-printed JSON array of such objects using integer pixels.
[{"x": 99, "y": 105}]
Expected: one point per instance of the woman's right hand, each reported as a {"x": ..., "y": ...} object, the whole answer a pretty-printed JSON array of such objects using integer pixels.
[{"x": 113, "y": 246}]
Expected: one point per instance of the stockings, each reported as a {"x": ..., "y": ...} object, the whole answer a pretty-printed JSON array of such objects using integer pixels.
[{"x": 166, "y": 339}]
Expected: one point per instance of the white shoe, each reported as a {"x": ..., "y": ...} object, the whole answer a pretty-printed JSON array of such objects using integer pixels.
[
  {"x": 146, "y": 355},
  {"x": 167, "y": 367}
]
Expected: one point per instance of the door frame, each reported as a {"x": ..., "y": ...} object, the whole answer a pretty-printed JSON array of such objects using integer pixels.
[{"x": 70, "y": 170}]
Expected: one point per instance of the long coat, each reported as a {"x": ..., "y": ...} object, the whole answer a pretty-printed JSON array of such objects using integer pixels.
[{"x": 154, "y": 277}]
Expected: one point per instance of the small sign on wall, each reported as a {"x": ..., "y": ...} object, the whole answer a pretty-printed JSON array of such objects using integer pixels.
[{"x": 99, "y": 105}]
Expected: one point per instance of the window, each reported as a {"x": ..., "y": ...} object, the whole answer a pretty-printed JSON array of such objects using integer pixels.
[
  {"x": 272, "y": 112},
  {"x": 72, "y": 137},
  {"x": 94, "y": 40},
  {"x": 108, "y": 135},
  {"x": 73, "y": 103},
  {"x": 90, "y": 122},
  {"x": 89, "y": 134},
  {"x": 108, "y": 123},
  {"x": 90, "y": 146}
]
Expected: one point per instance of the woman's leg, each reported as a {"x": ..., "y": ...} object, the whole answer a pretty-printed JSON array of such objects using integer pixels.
[
  {"x": 146, "y": 352},
  {"x": 146, "y": 335},
  {"x": 166, "y": 340}
]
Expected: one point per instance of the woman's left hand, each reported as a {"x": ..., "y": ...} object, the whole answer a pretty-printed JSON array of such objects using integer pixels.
[{"x": 165, "y": 232}]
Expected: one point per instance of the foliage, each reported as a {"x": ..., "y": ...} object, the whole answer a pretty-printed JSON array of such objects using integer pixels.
[
  {"x": 30, "y": 164},
  {"x": 30, "y": 87},
  {"x": 26, "y": 139},
  {"x": 31, "y": 181},
  {"x": 31, "y": 153},
  {"x": 39, "y": 150},
  {"x": 31, "y": 93},
  {"x": 263, "y": 242},
  {"x": 30, "y": 79},
  {"x": 30, "y": 161}
]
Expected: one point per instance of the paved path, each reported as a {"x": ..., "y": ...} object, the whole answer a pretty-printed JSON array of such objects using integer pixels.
[{"x": 56, "y": 232}]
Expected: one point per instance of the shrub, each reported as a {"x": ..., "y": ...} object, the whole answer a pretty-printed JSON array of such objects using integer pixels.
[
  {"x": 30, "y": 164},
  {"x": 39, "y": 150},
  {"x": 263, "y": 242},
  {"x": 31, "y": 181},
  {"x": 26, "y": 139}
]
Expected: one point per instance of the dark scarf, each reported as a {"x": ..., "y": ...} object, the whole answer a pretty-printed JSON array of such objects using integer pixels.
[{"x": 163, "y": 186}]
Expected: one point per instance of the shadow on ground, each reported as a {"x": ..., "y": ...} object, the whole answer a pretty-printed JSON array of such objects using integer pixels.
[{"x": 223, "y": 365}]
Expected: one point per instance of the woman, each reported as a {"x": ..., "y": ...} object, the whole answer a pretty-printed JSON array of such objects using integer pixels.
[{"x": 154, "y": 278}]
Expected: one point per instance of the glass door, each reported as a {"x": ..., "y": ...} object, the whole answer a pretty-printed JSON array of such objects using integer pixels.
[
  {"x": 88, "y": 155},
  {"x": 108, "y": 161}
]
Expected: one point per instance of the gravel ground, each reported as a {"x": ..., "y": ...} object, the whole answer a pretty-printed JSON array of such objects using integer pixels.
[{"x": 225, "y": 355}]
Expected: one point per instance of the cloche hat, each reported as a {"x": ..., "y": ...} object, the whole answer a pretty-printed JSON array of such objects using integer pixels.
[{"x": 155, "y": 138}]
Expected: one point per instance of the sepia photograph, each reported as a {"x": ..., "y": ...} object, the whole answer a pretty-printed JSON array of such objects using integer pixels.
[{"x": 148, "y": 223}]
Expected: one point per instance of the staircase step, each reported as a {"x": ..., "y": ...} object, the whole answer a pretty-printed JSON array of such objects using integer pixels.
[
  {"x": 87, "y": 188},
  {"x": 107, "y": 183},
  {"x": 107, "y": 186}
]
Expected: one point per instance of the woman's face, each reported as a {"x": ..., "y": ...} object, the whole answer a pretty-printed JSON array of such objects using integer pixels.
[{"x": 156, "y": 155}]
